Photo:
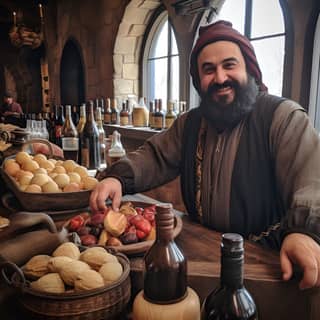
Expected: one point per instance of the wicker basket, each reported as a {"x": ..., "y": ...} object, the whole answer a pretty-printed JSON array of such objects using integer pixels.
[
  {"x": 46, "y": 201},
  {"x": 109, "y": 302}
]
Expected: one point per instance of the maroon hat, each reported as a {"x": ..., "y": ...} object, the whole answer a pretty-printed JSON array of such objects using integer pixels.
[{"x": 223, "y": 31}]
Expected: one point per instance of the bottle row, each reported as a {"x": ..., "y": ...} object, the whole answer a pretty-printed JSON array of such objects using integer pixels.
[
  {"x": 138, "y": 115},
  {"x": 81, "y": 136}
]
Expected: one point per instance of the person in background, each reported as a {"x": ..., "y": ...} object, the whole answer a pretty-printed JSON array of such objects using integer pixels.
[
  {"x": 248, "y": 160},
  {"x": 9, "y": 106}
]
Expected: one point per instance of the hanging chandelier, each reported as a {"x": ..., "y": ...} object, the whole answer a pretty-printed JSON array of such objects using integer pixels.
[{"x": 20, "y": 35}]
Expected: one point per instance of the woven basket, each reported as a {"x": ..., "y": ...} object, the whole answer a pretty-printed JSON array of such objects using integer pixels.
[{"x": 108, "y": 302}]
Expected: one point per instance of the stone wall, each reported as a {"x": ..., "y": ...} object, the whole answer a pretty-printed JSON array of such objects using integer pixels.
[{"x": 128, "y": 46}]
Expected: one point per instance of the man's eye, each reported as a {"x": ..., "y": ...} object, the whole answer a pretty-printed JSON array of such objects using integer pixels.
[
  {"x": 208, "y": 70},
  {"x": 229, "y": 65}
]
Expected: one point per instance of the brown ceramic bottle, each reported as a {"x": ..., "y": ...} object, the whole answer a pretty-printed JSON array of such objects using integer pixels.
[
  {"x": 165, "y": 278},
  {"x": 166, "y": 294}
]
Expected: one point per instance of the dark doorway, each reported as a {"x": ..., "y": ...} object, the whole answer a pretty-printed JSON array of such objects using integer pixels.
[
  {"x": 2, "y": 82},
  {"x": 71, "y": 75}
]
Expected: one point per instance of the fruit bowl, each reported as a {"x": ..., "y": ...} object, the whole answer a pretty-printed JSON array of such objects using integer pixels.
[{"x": 130, "y": 249}]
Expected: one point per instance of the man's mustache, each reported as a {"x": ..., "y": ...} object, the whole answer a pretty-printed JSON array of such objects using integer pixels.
[{"x": 218, "y": 86}]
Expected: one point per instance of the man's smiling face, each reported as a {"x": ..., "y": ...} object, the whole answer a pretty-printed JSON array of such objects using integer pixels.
[{"x": 222, "y": 68}]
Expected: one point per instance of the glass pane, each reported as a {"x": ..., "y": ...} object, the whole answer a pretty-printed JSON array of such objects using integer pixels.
[
  {"x": 174, "y": 48},
  {"x": 270, "y": 55},
  {"x": 157, "y": 79},
  {"x": 266, "y": 18},
  {"x": 159, "y": 46},
  {"x": 174, "y": 83},
  {"x": 234, "y": 11},
  {"x": 150, "y": 81}
]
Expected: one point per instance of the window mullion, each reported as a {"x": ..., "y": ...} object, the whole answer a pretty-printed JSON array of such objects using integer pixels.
[
  {"x": 248, "y": 19},
  {"x": 169, "y": 89}
]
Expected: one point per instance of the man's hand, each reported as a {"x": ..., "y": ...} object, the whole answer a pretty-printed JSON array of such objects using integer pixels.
[
  {"x": 300, "y": 249},
  {"x": 106, "y": 188}
]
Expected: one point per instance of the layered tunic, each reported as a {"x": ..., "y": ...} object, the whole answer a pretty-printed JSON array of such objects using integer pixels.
[{"x": 260, "y": 178}]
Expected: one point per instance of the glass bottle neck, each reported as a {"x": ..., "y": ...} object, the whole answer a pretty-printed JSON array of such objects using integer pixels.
[
  {"x": 232, "y": 270},
  {"x": 90, "y": 114}
]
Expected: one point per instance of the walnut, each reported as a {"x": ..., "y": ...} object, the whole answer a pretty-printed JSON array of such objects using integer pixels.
[
  {"x": 67, "y": 249},
  {"x": 95, "y": 257},
  {"x": 51, "y": 283},
  {"x": 55, "y": 264},
  {"x": 88, "y": 280},
  {"x": 111, "y": 272},
  {"x": 70, "y": 271},
  {"x": 37, "y": 266}
]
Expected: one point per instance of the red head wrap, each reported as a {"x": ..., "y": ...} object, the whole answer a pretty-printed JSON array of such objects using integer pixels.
[{"x": 223, "y": 31}]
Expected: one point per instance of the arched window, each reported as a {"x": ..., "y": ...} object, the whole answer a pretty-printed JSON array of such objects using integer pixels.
[
  {"x": 262, "y": 22},
  {"x": 314, "y": 103},
  {"x": 161, "y": 62}
]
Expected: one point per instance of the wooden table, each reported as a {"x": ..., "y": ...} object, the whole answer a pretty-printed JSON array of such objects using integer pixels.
[{"x": 276, "y": 299}]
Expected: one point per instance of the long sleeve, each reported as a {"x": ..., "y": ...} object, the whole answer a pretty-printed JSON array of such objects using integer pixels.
[
  {"x": 296, "y": 148},
  {"x": 155, "y": 163}
]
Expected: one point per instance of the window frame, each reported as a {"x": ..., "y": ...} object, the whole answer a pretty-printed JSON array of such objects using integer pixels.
[
  {"x": 314, "y": 100},
  {"x": 159, "y": 17}
]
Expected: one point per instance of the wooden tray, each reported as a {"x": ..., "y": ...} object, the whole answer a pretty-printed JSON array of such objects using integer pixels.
[
  {"x": 37, "y": 202},
  {"x": 139, "y": 248},
  {"x": 47, "y": 201}
]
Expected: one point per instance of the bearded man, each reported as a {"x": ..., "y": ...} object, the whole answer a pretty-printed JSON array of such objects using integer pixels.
[{"x": 248, "y": 160}]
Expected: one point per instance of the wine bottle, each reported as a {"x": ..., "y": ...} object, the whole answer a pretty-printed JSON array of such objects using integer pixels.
[
  {"x": 53, "y": 119},
  {"x": 82, "y": 119},
  {"x": 75, "y": 115},
  {"x": 102, "y": 136},
  {"x": 151, "y": 113},
  {"x": 231, "y": 300},
  {"x": 107, "y": 112},
  {"x": 89, "y": 141},
  {"x": 58, "y": 126},
  {"x": 170, "y": 115},
  {"x": 165, "y": 294},
  {"x": 124, "y": 115},
  {"x": 158, "y": 117},
  {"x": 47, "y": 119},
  {"x": 114, "y": 112},
  {"x": 69, "y": 137}
]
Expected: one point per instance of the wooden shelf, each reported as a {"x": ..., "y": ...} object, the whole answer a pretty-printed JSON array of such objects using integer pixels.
[{"x": 131, "y": 137}]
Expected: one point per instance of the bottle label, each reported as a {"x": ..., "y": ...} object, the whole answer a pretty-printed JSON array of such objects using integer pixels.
[
  {"x": 169, "y": 122},
  {"x": 124, "y": 120},
  {"x": 107, "y": 118},
  {"x": 85, "y": 160},
  {"x": 158, "y": 122},
  {"x": 70, "y": 144}
]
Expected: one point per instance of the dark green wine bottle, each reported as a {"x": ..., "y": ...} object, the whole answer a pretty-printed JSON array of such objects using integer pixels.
[{"x": 231, "y": 300}]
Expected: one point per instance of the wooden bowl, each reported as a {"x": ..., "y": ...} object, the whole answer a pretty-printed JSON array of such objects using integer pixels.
[{"x": 139, "y": 248}]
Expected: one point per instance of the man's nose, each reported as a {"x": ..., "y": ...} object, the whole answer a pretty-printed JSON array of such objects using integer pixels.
[{"x": 221, "y": 76}]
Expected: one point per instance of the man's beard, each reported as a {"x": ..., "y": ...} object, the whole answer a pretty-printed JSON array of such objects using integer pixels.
[{"x": 227, "y": 116}]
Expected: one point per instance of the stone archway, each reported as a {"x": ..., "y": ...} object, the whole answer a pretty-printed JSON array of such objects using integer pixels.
[{"x": 128, "y": 46}]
